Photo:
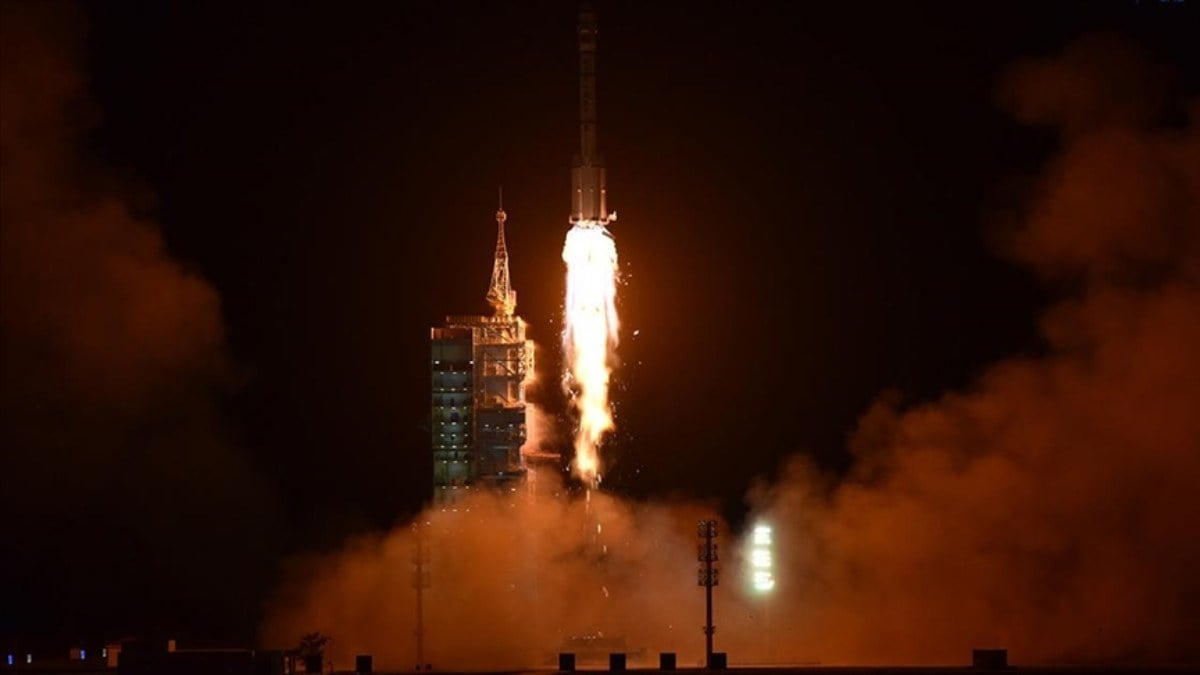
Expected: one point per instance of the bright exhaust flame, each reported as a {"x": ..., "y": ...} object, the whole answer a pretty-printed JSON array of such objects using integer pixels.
[{"x": 589, "y": 337}]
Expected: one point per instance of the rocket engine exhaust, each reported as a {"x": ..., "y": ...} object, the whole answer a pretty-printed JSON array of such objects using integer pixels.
[
  {"x": 590, "y": 324},
  {"x": 589, "y": 337}
]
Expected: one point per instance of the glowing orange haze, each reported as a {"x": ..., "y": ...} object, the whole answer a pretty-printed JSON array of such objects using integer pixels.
[{"x": 511, "y": 579}]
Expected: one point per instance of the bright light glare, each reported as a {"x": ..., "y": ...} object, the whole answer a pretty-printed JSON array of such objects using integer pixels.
[
  {"x": 763, "y": 581},
  {"x": 761, "y": 577},
  {"x": 589, "y": 338}
]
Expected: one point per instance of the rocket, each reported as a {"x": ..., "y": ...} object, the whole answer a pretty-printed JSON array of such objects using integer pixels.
[{"x": 588, "y": 190}]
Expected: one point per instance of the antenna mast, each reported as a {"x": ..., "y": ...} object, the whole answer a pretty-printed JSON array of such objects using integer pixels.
[{"x": 501, "y": 295}]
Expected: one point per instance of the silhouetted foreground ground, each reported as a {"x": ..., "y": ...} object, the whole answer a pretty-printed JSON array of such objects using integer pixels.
[
  {"x": 876, "y": 670},
  {"x": 790, "y": 670}
]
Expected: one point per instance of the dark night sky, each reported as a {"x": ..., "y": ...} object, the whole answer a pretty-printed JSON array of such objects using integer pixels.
[{"x": 805, "y": 192}]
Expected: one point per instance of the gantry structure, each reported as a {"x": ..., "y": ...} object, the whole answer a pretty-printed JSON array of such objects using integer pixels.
[{"x": 480, "y": 366}]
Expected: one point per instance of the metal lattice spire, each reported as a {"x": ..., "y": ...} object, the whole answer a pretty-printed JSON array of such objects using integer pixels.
[{"x": 501, "y": 295}]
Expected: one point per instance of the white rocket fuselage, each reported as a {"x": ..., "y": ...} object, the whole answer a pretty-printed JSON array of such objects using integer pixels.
[{"x": 588, "y": 189}]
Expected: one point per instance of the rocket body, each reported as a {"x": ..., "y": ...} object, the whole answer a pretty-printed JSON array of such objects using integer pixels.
[{"x": 588, "y": 189}]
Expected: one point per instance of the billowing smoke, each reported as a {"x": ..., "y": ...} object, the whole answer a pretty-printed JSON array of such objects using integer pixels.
[
  {"x": 111, "y": 354},
  {"x": 512, "y": 578},
  {"x": 1050, "y": 508},
  {"x": 543, "y": 433}
]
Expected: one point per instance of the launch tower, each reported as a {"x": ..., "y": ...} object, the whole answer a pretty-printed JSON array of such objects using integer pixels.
[{"x": 479, "y": 367}]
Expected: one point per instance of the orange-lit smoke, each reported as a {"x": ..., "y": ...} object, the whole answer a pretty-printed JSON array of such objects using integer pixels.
[
  {"x": 589, "y": 337},
  {"x": 1051, "y": 507},
  {"x": 112, "y": 359},
  {"x": 512, "y": 579}
]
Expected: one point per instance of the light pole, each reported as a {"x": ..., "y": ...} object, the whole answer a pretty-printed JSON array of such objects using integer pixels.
[
  {"x": 707, "y": 577},
  {"x": 420, "y": 582}
]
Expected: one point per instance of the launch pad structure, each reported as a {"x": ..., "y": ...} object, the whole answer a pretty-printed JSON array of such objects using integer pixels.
[{"x": 480, "y": 366}]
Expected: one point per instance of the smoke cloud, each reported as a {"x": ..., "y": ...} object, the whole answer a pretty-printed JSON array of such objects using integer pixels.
[
  {"x": 511, "y": 579},
  {"x": 543, "y": 434},
  {"x": 112, "y": 353},
  {"x": 1050, "y": 508}
]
